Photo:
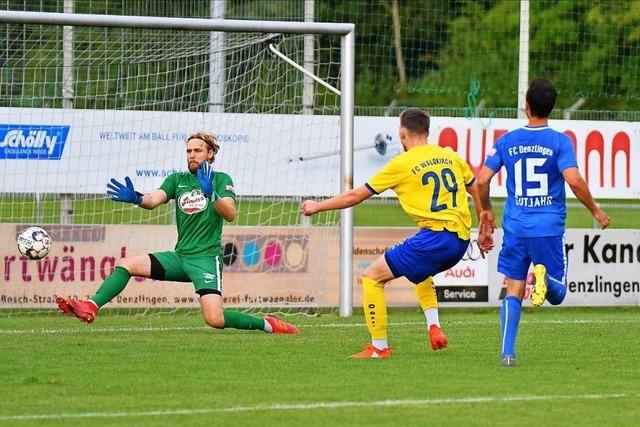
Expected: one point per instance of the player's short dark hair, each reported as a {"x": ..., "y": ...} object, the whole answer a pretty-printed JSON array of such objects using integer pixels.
[
  {"x": 541, "y": 97},
  {"x": 415, "y": 121}
]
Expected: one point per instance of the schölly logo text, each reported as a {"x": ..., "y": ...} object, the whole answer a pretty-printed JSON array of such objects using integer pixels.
[{"x": 39, "y": 142}]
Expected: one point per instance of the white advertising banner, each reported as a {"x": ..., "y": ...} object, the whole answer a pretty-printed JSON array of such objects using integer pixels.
[
  {"x": 268, "y": 154},
  {"x": 603, "y": 268},
  {"x": 78, "y": 151}
]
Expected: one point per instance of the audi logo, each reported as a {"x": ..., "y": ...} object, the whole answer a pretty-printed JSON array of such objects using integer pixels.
[{"x": 473, "y": 252}]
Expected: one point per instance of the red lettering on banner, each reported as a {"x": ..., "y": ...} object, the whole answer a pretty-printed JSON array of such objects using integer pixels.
[
  {"x": 605, "y": 154},
  {"x": 104, "y": 270},
  {"x": 475, "y": 169},
  {"x": 92, "y": 268},
  {"x": 7, "y": 269},
  {"x": 448, "y": 138},
  {"x": 497, "y": 133},
  {"x": 63, "y": 268},
  {"x": 584, "y": 146},
  {"x": 574, "y": 140},
  {"x": 47, "y": 268},
  {"x": 595, "y": 142},
  {"x": 459, "y": 273},
  {"x": 67, "y": 274},
  {"x": 26, "y": 277},
  {"x": 621, "y": 142}
]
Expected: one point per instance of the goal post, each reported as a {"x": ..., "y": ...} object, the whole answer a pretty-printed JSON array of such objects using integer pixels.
[{"x": 141, "y": 111}]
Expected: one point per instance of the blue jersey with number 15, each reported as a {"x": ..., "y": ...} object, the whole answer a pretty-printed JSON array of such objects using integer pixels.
[{"x": 534, "y": 158}]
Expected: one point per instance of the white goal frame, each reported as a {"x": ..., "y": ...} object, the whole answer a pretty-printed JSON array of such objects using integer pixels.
[{"x": 347, "y": 59}]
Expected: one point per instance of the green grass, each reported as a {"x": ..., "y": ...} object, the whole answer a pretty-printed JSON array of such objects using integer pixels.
[
  {"x": 372, "y": 213},
  {"x": 575, "y": 367}
]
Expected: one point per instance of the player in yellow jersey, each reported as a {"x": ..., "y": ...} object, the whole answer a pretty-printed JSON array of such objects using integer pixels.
[{"x": 431, "y": 183}]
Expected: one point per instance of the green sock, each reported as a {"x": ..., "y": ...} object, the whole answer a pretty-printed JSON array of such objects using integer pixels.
[
  {"x": 112, "y": 286},
  {"x": 239, "y": 320}
]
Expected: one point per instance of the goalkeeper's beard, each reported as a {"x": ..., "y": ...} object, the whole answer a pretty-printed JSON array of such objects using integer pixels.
[{"x": 193, "y": 166}]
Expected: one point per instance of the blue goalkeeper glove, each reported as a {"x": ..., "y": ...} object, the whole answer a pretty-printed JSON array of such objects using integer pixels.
[
  {"x": 123, "y": 192},
  {"x": 205, "y": 175}
]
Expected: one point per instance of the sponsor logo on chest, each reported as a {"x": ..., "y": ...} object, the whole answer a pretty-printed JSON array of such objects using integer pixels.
[{"x": 192, "y": 202}]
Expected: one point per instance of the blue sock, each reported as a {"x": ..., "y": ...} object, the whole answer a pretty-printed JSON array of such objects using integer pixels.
[
  {"x": 555, "y": 291},
  {"x": 509, "y": 320}
]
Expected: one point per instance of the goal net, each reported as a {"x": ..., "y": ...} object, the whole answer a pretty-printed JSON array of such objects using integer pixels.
[{"x": 80, "y": 105}]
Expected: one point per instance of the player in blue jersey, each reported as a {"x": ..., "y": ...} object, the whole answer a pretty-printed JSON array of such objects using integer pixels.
[{"x": 538, "y": 160}]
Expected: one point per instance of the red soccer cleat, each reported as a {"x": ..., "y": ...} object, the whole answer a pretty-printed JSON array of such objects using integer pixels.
[
  {"x": 86, "y": 311},
  {"x": 371, "y": 352},
  {"x": 280, "y": 327},
  {"x": 437, "y": 338}
]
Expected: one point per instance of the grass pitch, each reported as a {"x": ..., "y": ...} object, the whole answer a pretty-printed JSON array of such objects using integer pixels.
[{"x": 575, "y": 367}]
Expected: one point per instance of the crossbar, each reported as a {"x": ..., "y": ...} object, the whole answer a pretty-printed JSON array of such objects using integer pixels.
[{"x": 199, "y": 24}]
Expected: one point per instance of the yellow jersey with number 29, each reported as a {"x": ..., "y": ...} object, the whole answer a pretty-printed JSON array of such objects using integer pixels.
[{"x": 430, "y": 183}]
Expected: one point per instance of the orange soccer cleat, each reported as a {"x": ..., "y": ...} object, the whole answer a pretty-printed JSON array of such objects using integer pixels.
[
  {"x": 280, "y": 327},
  {"x": 371, "y": 352},
  {"x": 437, "y": 338},
  {"x": 86, "y": 311}
]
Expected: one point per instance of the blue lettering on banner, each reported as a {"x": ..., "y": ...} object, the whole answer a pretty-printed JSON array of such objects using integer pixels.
[
  {"x": 38, "y": 142},
  {"x": 233, "y": 137},
  {"x": 129, "y": 135}
]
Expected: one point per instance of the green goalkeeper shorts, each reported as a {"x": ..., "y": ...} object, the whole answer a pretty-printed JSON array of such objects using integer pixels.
[{"x": 205, "y": 272}]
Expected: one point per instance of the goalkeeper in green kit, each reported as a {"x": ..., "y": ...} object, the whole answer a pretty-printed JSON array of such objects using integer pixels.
[{"x": 204, "y": 199}]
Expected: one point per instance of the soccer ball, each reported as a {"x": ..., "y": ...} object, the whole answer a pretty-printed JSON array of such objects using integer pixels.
[{"x": 34, "y": 243}]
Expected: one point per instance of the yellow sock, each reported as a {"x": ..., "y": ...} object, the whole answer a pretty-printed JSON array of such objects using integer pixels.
[
  {"x": 375, "y": 308},
  {"x": 426, "y": 293}
]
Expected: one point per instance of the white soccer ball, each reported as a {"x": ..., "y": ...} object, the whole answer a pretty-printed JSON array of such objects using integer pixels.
[{"x": 34, "y": 243}]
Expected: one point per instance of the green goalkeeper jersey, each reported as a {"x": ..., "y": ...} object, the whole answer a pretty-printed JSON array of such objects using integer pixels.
[{"x": 199, "y": 224}]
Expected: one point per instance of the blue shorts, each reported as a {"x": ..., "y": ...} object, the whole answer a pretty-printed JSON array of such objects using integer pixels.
[
  {"x": 518, "y": 253},
  {"x": 425, "y": 254}
]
